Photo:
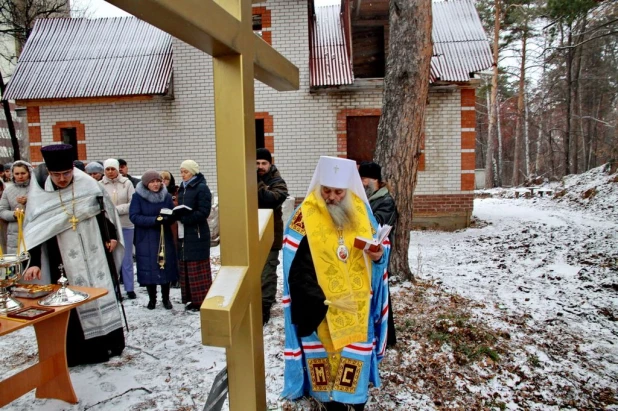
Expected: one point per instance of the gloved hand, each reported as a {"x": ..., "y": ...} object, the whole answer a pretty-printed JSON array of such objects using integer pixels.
[{"x": 164, "y": 219}]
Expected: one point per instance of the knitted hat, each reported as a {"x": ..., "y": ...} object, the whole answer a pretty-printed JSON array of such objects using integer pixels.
[
  {"x": 150, "y": 175},
  {"x": 370, "y": 169},
  {"x": 191, "y": 166},
  {"x": 94, "y": 167},
  {"x": 264, "y": 154},
  {"x": 111, "y": 162},
  {"x": 58, "y": 157}
]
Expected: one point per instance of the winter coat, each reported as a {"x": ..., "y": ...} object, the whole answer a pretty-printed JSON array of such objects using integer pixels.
[
  {"x": 272, "y": 192},
  {"x": 8, "y": 203},
  {"x": 144, "y": 209},
  {"x": 196, "y": 244},
  {"x": 121, "y": 190},
  {"x": 384, "y": 209}
]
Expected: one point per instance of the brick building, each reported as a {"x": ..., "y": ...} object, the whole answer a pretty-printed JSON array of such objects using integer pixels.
[{"x": 121, "y": 88}]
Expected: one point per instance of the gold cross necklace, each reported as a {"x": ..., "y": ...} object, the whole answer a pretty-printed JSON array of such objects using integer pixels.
[{"x": 73, "y": 219}]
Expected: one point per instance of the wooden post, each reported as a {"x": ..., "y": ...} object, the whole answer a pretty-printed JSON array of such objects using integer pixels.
[{"x": 231, "y": 313}]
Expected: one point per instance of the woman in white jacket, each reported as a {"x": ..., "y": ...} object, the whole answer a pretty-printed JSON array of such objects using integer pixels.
[
  {"x": 15, "y": 196},
  {"x": 121, "y": 190}
]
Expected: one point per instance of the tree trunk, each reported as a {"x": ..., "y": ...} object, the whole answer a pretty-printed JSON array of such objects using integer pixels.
[
  {"x": 406, "y": 88},
  {"x": 9, "y": 122},
  {"x": 490, "y": 180},
  {"x": 569, "y": 80},
  {"x": 519, "y": 129},
  {"x": 500, "y": 165}
]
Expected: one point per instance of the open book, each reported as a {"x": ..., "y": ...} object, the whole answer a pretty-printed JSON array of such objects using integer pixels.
[
  {"x": 373, "y": 244},
  {"x": 167, "y": 211}
]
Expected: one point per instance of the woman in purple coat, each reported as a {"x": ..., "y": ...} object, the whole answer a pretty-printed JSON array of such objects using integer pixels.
[{"x": 145, "y": 212}]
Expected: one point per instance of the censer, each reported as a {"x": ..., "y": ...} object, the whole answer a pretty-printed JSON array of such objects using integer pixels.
[{"x": 12, "y": 268}]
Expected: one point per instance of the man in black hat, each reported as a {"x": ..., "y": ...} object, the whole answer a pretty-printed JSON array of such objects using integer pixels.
[
  {"x": 65, "y": 215},
  {"x": 272, "y": 192},
  {"x": 385, "y": 211},
  {"x": 124, "y": 170}
]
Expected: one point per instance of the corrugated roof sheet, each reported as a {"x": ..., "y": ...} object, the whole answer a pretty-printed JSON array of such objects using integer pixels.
[
  {"x": 329, "y": 62},
  {"x": 460, "y": 45},
  {"x": 73, "y": 58}
]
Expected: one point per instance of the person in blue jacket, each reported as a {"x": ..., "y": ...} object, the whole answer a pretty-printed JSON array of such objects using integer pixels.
[{"x": 155, "y": 254}]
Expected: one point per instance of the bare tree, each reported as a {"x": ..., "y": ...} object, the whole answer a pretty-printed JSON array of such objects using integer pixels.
[
  {"x": 406, "y": 86},
  {"x": 16, "y": 21}
]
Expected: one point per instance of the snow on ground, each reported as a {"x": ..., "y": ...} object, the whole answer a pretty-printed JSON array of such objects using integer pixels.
[{"x": 543, "y": 271}]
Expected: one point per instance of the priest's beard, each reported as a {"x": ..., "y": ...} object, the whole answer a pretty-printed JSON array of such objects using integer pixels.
[{"x": 342, "y": 213}]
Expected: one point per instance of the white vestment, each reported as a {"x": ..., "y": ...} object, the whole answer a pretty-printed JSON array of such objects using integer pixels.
[{"x": 82, "y": 252}]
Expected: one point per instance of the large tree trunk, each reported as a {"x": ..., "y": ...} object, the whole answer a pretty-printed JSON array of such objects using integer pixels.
[
  {"x": 490, "y": 178},
  {"x": 500, "y": 165},
  {"x": 406, "y": 87},
  {"x": 9, "y": 122}
]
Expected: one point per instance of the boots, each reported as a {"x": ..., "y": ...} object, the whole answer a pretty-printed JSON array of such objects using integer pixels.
[
  {"x": 152, "y": 295},
  {"x": 165, "y": 292}
]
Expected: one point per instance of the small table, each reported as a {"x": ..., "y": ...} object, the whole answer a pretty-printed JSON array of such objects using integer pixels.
[{"x": 50, "y": 376}]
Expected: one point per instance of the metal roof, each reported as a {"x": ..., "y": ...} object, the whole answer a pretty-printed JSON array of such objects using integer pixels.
[
  {"x": 73, "y": 58},
  {"x": 460, "y": 45},
  {"x": 329, "y": 61}
]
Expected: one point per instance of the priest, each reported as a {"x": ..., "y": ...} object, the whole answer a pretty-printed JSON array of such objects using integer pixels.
[
  {"x": 335, "y": 295},
  {"x": 64, "y": 225}
]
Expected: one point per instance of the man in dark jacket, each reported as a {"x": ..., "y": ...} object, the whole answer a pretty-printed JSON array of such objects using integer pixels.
[
  {"x": 272, "y": 192},
  {"x": 384, "y": 210},
  {"x": 124, "y": 170}
]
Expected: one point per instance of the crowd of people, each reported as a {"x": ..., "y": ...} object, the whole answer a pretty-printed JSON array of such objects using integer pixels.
[{"x": 86, "y": 219}]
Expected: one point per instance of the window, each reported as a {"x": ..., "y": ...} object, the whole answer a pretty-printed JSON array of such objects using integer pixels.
[
  {"x": 259, "y": 133},
  {"x": 257, "y": 24},
  {"x": 69, "y": 136}
]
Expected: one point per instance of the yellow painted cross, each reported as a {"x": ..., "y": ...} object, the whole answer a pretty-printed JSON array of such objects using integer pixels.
[{"x": 231, "y": 314}]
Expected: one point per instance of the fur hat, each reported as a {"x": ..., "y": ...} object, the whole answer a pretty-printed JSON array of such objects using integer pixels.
[
  {"x": 191, "y": 166},
  {"x": 111, "y": 162},
  {"x": 264, "y": 154},
  {"x": 150, "y": 175},
  {"x": 370, "y": 169}
]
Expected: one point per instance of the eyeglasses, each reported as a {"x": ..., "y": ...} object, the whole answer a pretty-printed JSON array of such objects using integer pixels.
[{"x": 58, "y": 174}]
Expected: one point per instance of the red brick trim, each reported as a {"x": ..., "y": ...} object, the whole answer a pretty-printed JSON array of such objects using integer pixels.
[
  {"x": 269, "y": 131},
  {"x": 33, "y": 117},
  {"x": 81, "y": 136},
  {"x": 468, "y": 137},
  {"x": 468, "y": 97},
  {"x": 443, "y": 205},
  {"x": 468, "y": 161},
  {"x": 342, "y": 126},
  {"x": 33, "y": 114},
  {"x": 266, "y": 22}
]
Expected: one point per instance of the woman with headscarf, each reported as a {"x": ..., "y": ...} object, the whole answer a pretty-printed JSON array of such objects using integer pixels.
[
  {"x": 155, "y": 255},
  {"x": 121, "y": 190},
  {"x": 95, "y": 170},
  {"x": 193, "y": 235},
  {"x": 15, "y": 197}
]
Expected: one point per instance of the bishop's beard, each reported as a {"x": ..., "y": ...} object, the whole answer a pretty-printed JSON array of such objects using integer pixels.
[{"x": 343, "y": 212}]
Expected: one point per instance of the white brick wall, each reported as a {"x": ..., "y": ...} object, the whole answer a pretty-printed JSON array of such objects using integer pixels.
[{"x": 161, "y": 133}]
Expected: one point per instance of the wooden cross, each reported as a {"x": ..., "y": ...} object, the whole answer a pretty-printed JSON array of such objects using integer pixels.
[{"x": 231, "y": 314}]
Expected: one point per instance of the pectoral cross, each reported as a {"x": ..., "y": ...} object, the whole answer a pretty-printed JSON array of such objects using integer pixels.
[{"x": 73, "y": 220}]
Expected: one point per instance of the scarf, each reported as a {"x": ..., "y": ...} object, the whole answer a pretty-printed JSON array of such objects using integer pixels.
[{"x": 348, "y": 281}]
